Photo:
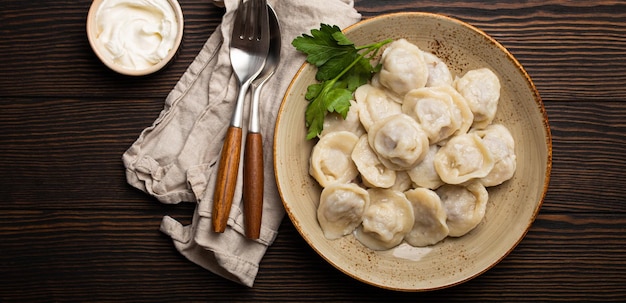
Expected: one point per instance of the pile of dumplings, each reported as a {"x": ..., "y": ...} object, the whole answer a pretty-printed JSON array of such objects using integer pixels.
[{"x": 413, "y": 158}]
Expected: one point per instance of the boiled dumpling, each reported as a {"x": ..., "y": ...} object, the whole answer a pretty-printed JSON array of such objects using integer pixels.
[
  {"x": 403, "y": 181},
  {"x": 331, "y": 159},
  {"x": 435, "y": 111},
  {"x": 438, "y": 72},
  {"x": 374, "y": 105},
  {"x": 465, "y": 206},
  {"x": 386, "y": 221},
  {"x": 375, "y": 82},
  {"x": 403, "y": 67},
  {"x": 500, "y": 143},
  {"x": 424, "y": 173},
  {"x": 399, "y": 141},
  {"x": 373, "y": 172},
  {"x": 481, "y": 89},
  {"x": 352, "y": 123},
  {"x": 430, "y": 218},
  {"x": 466, "y": 115},
  {"x": 341, "y": 209},
  {"x": 463, "y": 158}
]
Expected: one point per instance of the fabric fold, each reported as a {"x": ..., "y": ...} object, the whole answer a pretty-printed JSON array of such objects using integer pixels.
[{"x": 175, "y": 159}]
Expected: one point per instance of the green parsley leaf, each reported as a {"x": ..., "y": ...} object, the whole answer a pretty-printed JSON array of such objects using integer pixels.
[
  {"x": 339, "y": 101},
  {"x": 334, "y": 66},
  {"x": 341, "y": 39},
  {"x": 336, "y": 100},
  {"x": 341, "y": 69},
  {"x": 321, "y": 46},
  {"x": 313, "y": 91},
  {"x": 360, "y": 74}
]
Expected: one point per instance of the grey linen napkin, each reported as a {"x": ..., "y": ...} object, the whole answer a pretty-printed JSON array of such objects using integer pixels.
[{"x": 175, "y": 159}]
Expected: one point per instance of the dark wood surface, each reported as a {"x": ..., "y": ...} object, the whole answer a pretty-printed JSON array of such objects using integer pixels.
[{"x": 71, "y": 229}]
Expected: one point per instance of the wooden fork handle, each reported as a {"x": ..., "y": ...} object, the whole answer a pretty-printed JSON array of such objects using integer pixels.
[
  {"x": 226, "y": 178},
  {"x": 253, "y": 185}
]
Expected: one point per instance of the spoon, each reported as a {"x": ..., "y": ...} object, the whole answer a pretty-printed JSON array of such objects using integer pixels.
[{"x": 253, "y": 180}]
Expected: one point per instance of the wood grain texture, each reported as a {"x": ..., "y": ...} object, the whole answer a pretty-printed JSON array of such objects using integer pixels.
[
  {"x": 72, "y": 229},
  {"x": 253, "y": 185},
  {"x": 227, "y": 174}
]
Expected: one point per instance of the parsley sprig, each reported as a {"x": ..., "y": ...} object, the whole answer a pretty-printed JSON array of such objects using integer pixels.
[{"x": 341, "y": 68}]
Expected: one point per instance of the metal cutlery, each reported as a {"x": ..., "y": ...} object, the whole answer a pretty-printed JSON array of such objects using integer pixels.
[{"x": 249, "y": 47}]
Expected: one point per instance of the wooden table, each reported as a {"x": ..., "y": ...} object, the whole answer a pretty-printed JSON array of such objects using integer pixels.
[{"x": 71, "y": 229}]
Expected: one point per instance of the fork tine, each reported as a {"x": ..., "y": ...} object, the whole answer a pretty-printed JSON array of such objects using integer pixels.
[
  {"x": 240, "y": 19},
  {"x": 249, "y": 23},
  {"x": 263, "y": 21}
]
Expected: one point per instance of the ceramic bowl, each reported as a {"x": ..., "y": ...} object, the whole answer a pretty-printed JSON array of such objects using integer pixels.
[
  {"x": 128, "y": 28},
  {"x": 512, "y": 206}
]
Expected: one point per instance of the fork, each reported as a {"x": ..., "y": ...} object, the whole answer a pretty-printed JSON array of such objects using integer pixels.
[{"x": 249, "y": 47}]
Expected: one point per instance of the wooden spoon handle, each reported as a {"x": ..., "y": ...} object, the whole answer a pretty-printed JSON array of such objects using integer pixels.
[
  {"x": 253, "y": 185},
  {"x": 226, "y": 178}
]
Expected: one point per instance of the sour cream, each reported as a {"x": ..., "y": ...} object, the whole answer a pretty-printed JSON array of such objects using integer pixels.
[{"x": 136, "y": 34}]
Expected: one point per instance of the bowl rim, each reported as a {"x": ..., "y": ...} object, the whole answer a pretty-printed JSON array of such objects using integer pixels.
[
  {"x": 91, "y": 36},
  {"x": 546, "y": 131}
]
